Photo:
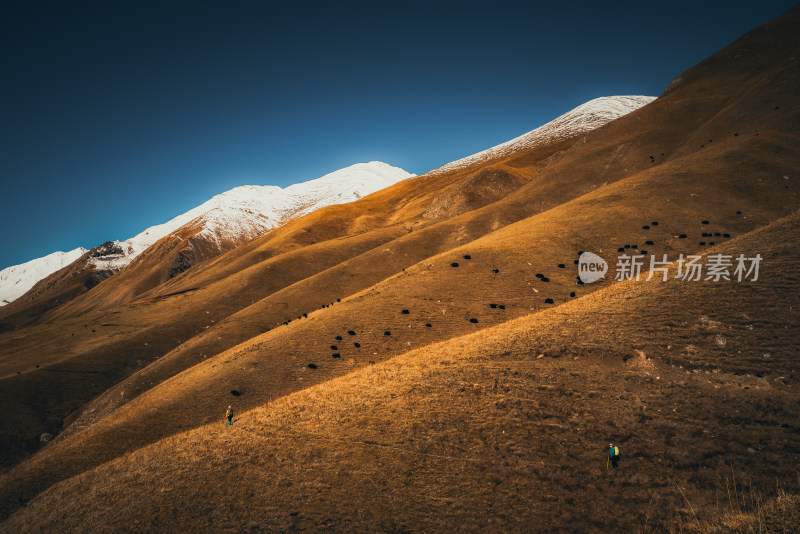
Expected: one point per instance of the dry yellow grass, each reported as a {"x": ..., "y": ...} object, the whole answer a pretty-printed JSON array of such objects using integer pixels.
[
  {"x": 482, "y": 431},
  {"x": 460, "y": 425}
]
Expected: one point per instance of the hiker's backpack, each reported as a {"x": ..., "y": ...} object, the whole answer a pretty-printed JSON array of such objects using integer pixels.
[{"x": 615, "y": 451}]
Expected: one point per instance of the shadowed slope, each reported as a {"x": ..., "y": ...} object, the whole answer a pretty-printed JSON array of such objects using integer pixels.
[
  {"x": 54, "y": 290},
  {"x": 487, "y": 186}
]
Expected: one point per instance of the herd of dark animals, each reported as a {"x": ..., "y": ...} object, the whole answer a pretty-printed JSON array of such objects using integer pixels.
[
  {"x": 540, "y": 276},
  {"x": 494, "y": 305}
]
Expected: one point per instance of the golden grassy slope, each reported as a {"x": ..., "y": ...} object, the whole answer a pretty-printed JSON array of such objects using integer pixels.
[
  {"x": 482, "y": 432},
  {"x": 110, "y": 344},
  {"x": 274, "y": 363},
  {"x": 622, "y": 189}
]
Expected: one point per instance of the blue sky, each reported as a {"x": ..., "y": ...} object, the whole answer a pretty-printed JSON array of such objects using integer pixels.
[{"x": 117, "y": 116}]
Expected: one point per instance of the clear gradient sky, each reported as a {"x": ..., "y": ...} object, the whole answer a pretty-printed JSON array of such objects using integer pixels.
[{"x": 118, "y": 115}]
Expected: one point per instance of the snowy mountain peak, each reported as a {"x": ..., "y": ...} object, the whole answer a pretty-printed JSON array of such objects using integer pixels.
[
  {"x": 247, "y": 211},
  {"x": 584, "y": 118},
  {"x": 232, "y": 217},
  {"x": 16, "y": 280}
]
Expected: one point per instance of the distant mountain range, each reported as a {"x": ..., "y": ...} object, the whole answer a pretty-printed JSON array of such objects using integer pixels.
[
  {"x": 245, "y": 212},
  {"x": 215, "y": 226}
]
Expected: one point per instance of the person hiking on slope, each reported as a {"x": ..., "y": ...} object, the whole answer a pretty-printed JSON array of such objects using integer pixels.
[
  {"x": 613, "y": 454},
  {"x": 229, "y": 414}
]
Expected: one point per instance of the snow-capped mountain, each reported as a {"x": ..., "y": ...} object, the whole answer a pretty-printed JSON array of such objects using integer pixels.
[
  {"x": 17, "y": 279},
  {"x": 586, "y": 117},
  {"x": 227, "y": 219},
  {"x": 248, "y": 211}
]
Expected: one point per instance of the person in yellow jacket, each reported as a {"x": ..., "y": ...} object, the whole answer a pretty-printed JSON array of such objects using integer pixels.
[
  {"x": 613, "y": 454},
  {"x": 229, "y": 414}
]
